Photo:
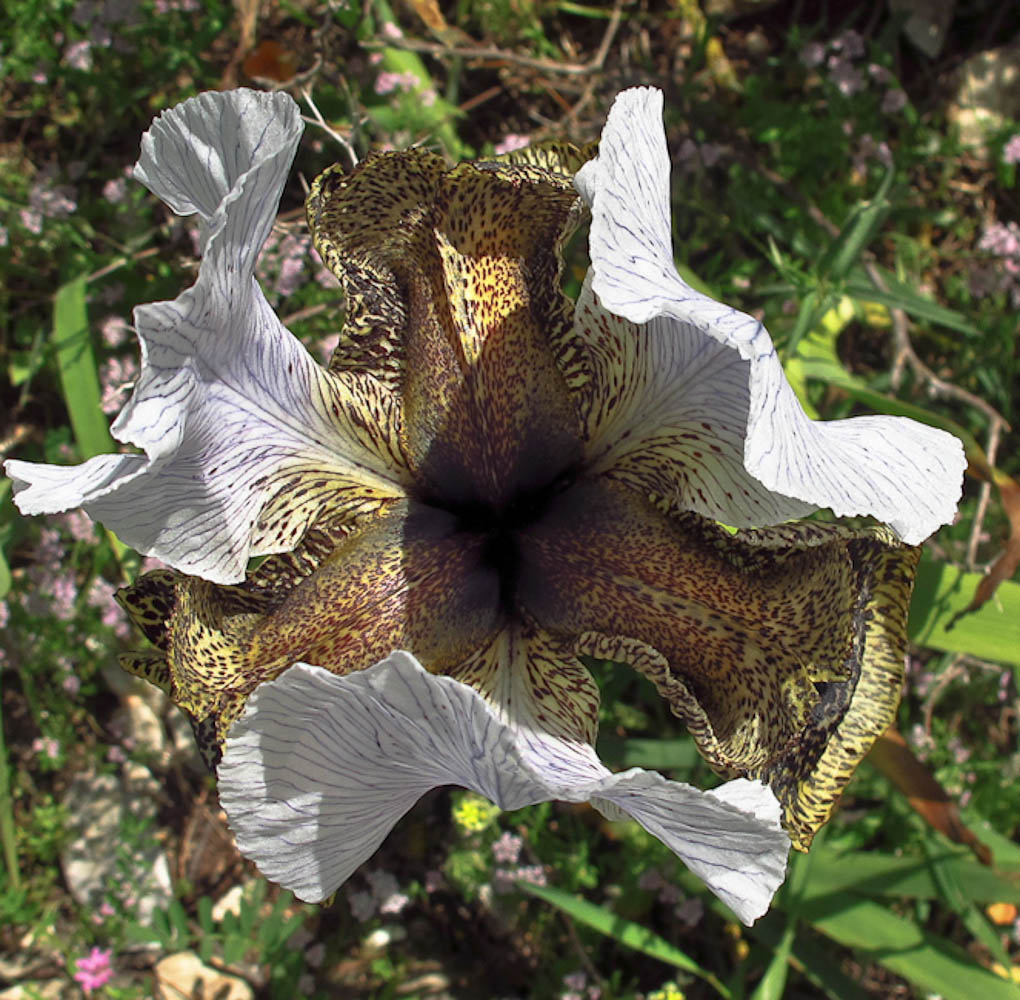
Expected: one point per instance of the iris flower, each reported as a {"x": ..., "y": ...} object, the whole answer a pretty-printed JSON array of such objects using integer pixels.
[{"x": 488, "y": 484}]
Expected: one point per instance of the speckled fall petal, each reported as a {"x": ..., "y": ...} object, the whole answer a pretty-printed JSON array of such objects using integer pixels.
[
  {"x": 400, "y": 577},
  {"x": 781, "y": 649},
  {"x": 320, "y": 768},
  {"x": 897, "y": 470}
]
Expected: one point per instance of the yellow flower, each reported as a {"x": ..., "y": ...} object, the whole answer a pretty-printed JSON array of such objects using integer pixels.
[{"x": 473, "y": 814}]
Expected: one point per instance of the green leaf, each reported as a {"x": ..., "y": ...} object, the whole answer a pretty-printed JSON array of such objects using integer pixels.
[
  {"x": 772, "y": 985},
  {"x": 845, "y": 250},
  {"x": 992, "y": 632},
  {"x": 625, "y": 932},
  {"x": 887, "y": 876},
  {"x": 76, "y": 364},
  {"x": 930, "y": 962},
  {"x": 903, "y": 296},
  {"x": 810, "y": 958}
]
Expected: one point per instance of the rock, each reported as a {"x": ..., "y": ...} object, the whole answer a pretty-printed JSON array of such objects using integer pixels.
[
  {"x": 185, "y": 748},
  {"x": 184, "y": 977},
  {"x": 50, "y": 989},
  {"x": 229, "y": 902},
  {"x": 987, "y": 93},
  {"x": 925, "y": 22},
  {"x": 135, "y": 720},
  {"x": 95, "y": 861}
]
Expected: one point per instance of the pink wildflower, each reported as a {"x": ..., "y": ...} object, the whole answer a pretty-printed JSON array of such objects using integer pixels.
[
  {"x": 894, "y": 101},
  {"x": 847, "y": 78},
  {"x": 114, "y": 190},
  {"x": 390, "y": 30},
  {"x": 813, "y": 54},
  {"x": 362, "y": 905},
  {"x": 849, "y": 43},
  {"x": 387, "y": 82},
  {"x": 31, "y": 220},
  {"x": 115, "y": 330},
  {"x": 880, "y": 74},
  {"x": 510, "y": 142},
  {"x": 1011, "y": 151},
  {"x": 78, "y": 55},
  {"x": 94, "y": 971},
  {"x": 46, "y": 745},
  {"x": 507, "y": 849}
]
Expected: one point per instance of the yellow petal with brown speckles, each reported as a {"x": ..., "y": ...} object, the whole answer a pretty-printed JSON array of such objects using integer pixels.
[
  {"x": 452, "y": 279},
  {"x": 781, "y": 649}
]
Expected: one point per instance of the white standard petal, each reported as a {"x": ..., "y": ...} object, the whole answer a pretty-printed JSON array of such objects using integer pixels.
[
  {"x": 229, "y": 407},
  {"x": 320, "y": 768},
  {"x": 897, "y": 470}
]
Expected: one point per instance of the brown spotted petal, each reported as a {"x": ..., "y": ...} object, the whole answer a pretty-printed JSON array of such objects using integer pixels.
[
  {"x": 401, "y": 577},
  {"x": 781, "y": 649},
  {"x": 452, "y": 284}
]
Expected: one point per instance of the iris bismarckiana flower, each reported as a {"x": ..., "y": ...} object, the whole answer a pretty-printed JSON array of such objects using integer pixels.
[{"x": 488, "y": 484}]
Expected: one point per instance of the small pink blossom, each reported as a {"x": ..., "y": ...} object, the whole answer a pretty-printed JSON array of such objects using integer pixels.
[
  {"x": 507, "y": 849},
  {"x": 71, "y": 684},
  {"x": 813, "y": 54},
  {"x": 391, "y": 30},
  {"x": 80, "y": 526},
  {"x": 115, "y": 190},
  {"x": 880, "y": 74},
  {"x": 511, "y": 142},
  {"x": 1011, "y": 151},
  {"x": 394, "y": 904},
  {"x": 849, "y": 43},
  {"x": 78, "y": 55},
  {"x": 116, "y": 755},
  {"x": 362, "y": 905},
  {"x": 31, "y": 220},
  {"x": 894, "y": 101},
  {"x": 387, "y": 82},
  {"x": 868, "y": 150},
  {"x": 115, "y": 330},
  {"x": 94, "y": 971},
  {"x": 46, "y": 745},
  {"x": 848, "y": 79}
]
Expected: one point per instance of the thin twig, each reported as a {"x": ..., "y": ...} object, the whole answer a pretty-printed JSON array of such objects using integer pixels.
[
  {"x": 328, "y": 129},
  {"x": 957, "y": 668},
  {"x": 906, "y": 355},
  {"x": 608, "y": 37},
  {"x": 504, "y": 55},
  {"x": 994, "y": 433}
]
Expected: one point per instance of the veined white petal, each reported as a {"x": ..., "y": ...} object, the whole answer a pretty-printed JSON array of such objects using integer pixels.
[
  {"x": 902, "y": 472},
  {"x": 320, "y": 768},
  {"x": 229, "y": 407},
  {"x": 218, "y": 148},
  {"x": 666, "y": 412}
]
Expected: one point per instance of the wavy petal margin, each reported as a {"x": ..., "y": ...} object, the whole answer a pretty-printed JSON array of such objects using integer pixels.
[
  {"x": 897, "y": 470},
  {"x": 320, "y": 768},
  {"x": 230, "y": 409}
]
